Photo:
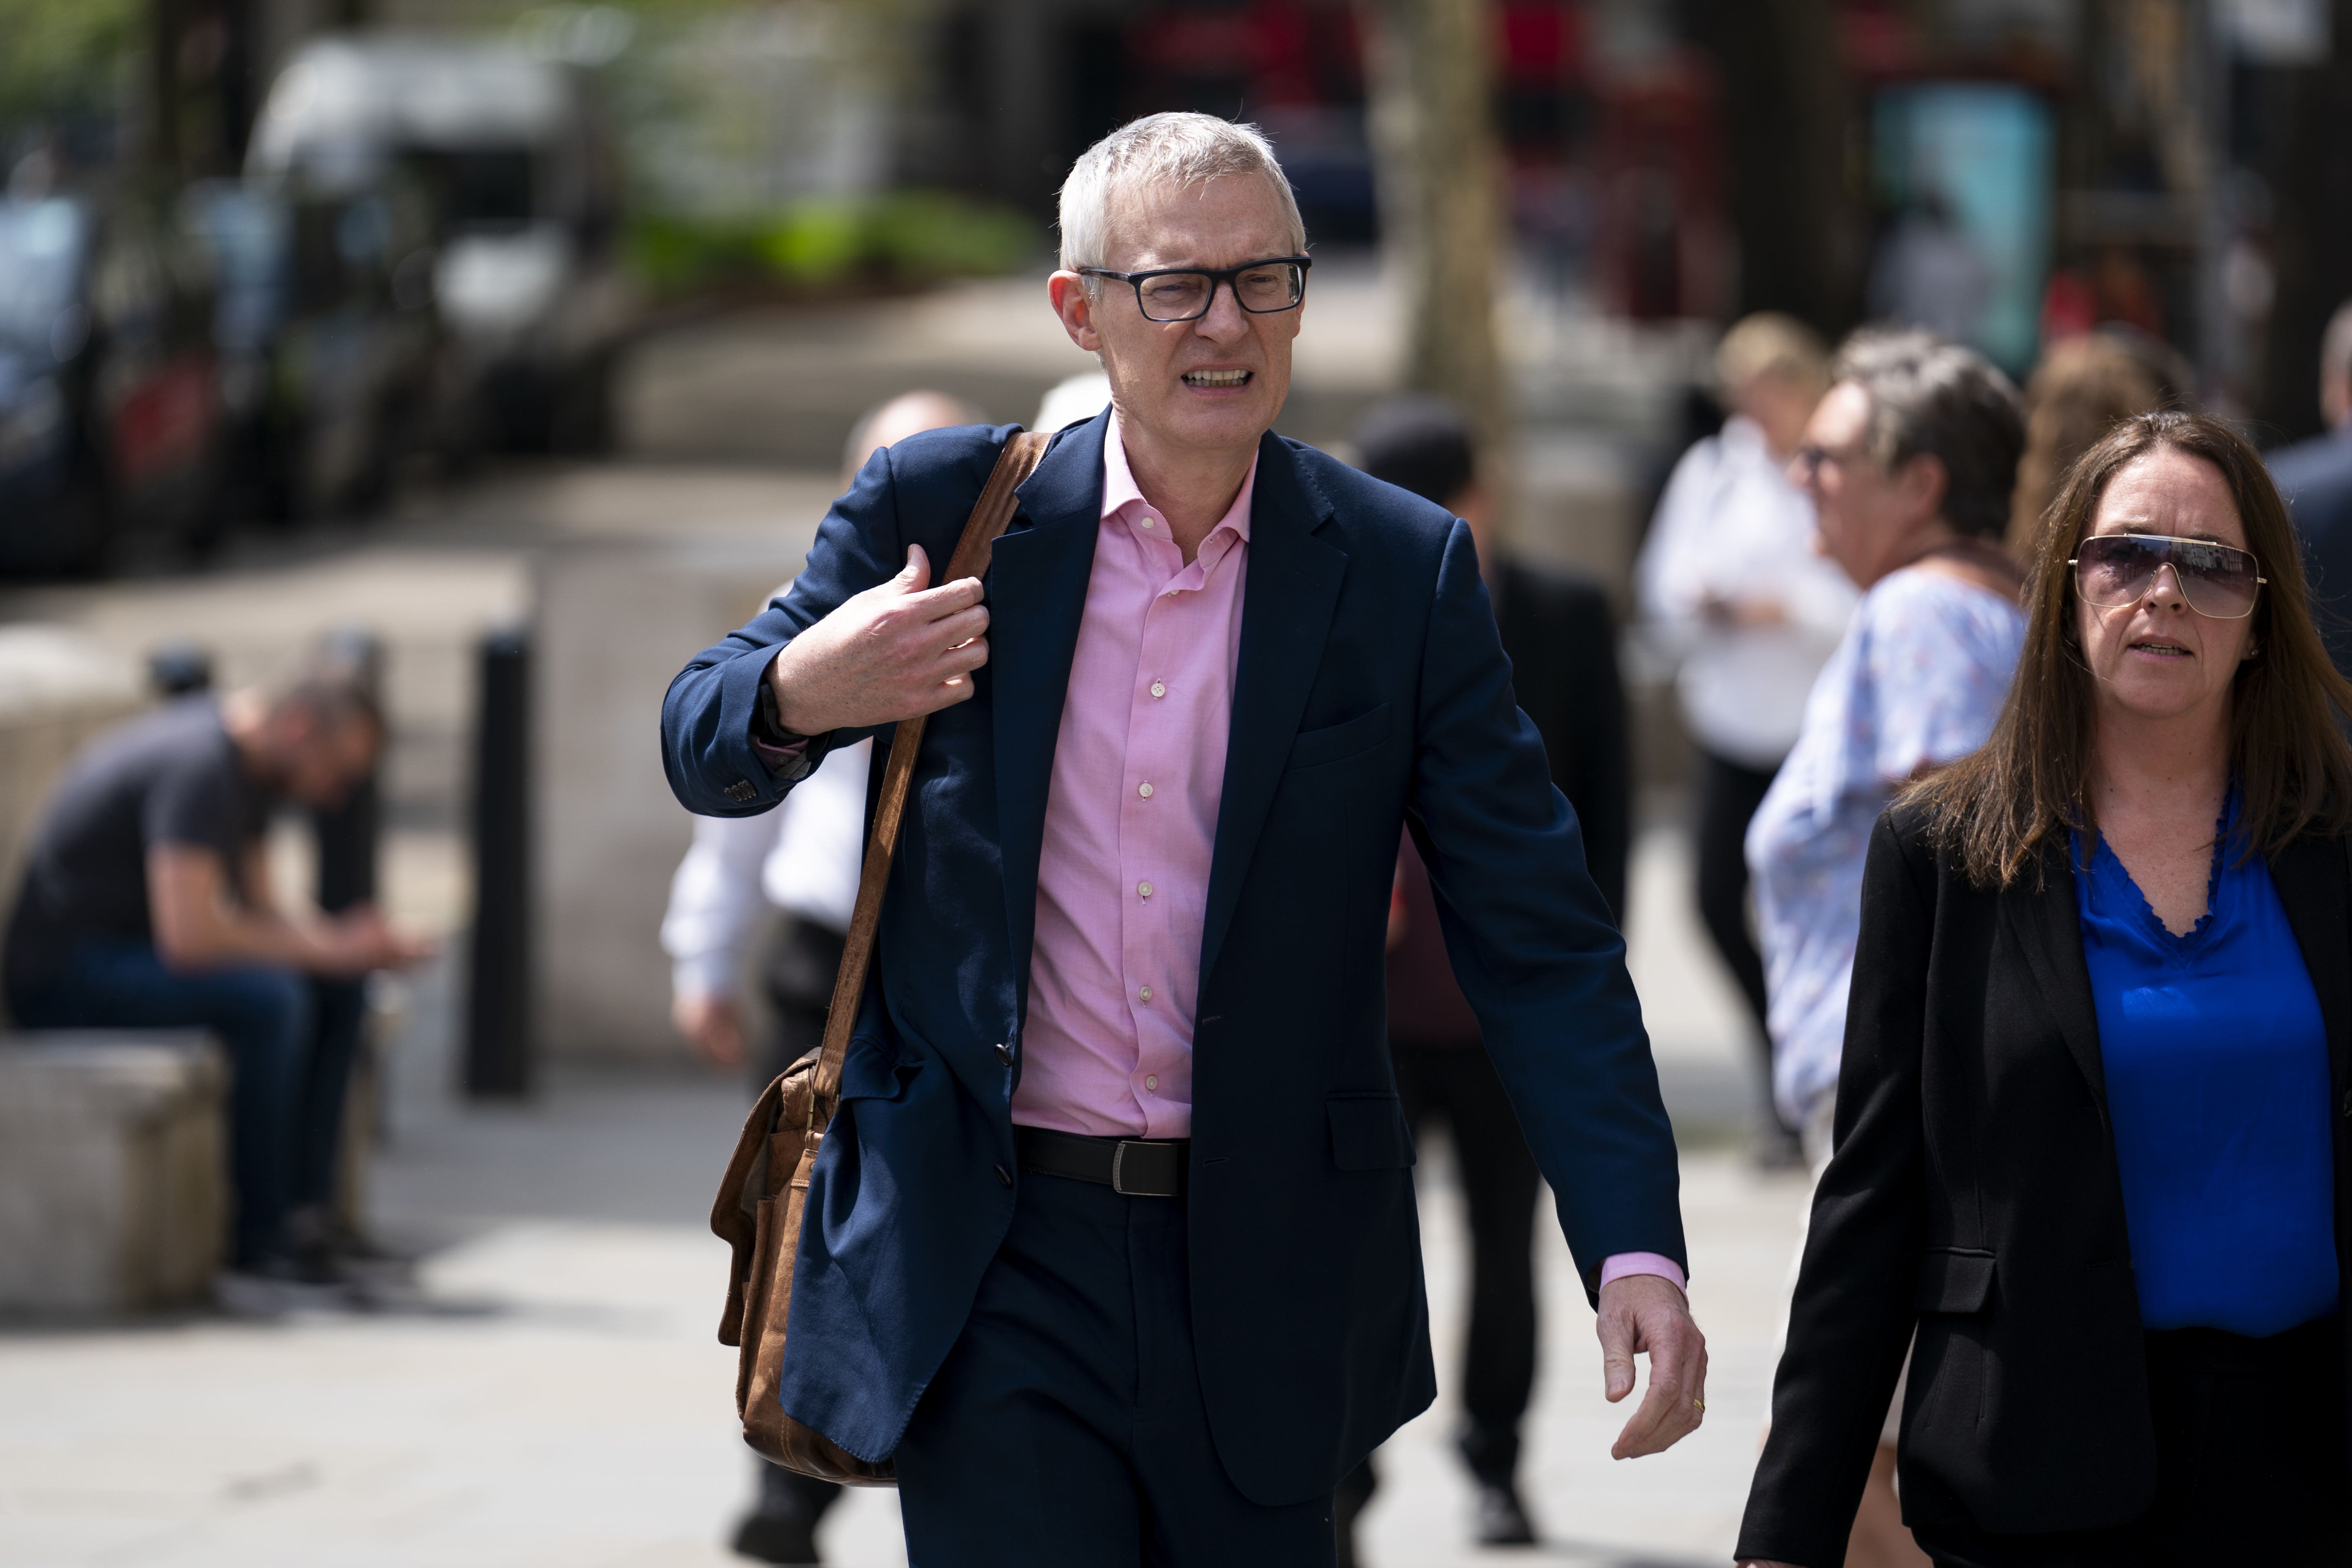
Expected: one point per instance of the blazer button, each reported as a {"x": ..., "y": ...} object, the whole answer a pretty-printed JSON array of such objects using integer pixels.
[
  {"x": 1004, "y": 1176},
  {"x": 2347, "y": 1105},
  {"x": 1004, "y": 1052}
]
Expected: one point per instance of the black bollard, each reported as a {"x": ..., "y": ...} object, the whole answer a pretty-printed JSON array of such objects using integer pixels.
[
  {"x": 498, "y": 1008},
  {"x": 348, "y": 835}
]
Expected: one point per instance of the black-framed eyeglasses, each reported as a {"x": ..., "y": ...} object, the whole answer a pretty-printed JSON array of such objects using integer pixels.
[
  {"x": 1185, "y": 293},
  {"x": 2113, "y": 570}
]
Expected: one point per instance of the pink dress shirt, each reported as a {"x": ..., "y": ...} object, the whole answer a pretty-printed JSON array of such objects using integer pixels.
[
  {"x": 1132, "y": 822},
  {"x": 1131, "y": 827}
]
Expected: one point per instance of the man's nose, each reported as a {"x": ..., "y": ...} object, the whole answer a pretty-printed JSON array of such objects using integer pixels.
[{"x": 1224, "y": 317}]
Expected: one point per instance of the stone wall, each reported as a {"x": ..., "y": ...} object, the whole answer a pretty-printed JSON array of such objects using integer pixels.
[{"x": 614, "y": 624}]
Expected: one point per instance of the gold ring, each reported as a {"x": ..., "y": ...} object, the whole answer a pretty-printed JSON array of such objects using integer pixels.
[{"x": 1699, "y": 1406}]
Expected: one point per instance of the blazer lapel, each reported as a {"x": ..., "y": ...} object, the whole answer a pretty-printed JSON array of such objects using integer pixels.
[
  {"x": 1294, "y": 586},
  {"x": 2310, "y": 876},
  {"x": 1036, "y": 595},
  {"x": 2051, "y": 931}
]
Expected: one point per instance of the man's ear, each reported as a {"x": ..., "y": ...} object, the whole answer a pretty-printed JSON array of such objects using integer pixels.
[{"x": 1075, "y": 306}]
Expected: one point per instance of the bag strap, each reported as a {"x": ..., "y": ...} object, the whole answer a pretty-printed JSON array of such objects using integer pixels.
[{"x": 991, "y": 515}]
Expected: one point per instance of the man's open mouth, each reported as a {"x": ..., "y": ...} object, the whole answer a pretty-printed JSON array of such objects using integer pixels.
[{"x": 1217, "y": 377}]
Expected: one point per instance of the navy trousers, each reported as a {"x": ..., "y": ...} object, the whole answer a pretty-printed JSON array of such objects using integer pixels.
[
  {"x": 1065, "y": 1429},
  {"x": 289, "y": 1040}
]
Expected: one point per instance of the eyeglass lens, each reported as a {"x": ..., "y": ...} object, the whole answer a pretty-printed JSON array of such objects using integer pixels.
[
  {"x": 1182, "y": 296},
  {"x": 2116, "y": 569}
]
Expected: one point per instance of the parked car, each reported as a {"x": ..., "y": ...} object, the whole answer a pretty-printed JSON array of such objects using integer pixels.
[
  {"x": 110, "y": 424},
  {"x": 329, "y": 350},
  {"x": 523, "y": 190}
]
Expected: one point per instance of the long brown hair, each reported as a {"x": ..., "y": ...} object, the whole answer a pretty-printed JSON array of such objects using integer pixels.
[{"x": 1994, "y": 808}]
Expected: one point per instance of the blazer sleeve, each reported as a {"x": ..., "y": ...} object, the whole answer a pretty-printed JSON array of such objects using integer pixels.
[
  {"x": 1851, "y": 1323},
  {"x": 1532, "y": 944},
  {"x": 707, "y": 716}
]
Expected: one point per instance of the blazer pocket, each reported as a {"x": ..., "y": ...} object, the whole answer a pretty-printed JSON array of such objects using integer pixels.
[
  {"x": 1337, "y": 742},
  {"x": 1954, "y": 1279},
  {"x": 1367, "y": 1133}
]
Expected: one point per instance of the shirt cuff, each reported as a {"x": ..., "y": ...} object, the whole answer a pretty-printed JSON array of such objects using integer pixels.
[
  {"x": 789, "y": 758},
  {"x": 1625, "y": 1263}
]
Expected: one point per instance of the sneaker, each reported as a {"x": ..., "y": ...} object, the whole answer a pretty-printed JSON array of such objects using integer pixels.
[
  {"x": 1502, "y": 1521},
  {"x": 277, "y": 1285}
]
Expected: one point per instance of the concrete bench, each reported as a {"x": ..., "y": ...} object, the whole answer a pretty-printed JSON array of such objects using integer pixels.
[{"x": 113, "y": 1191}]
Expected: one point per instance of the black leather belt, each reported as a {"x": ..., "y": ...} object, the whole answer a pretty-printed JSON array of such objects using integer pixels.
[{"x": 1138, "y": 1167}]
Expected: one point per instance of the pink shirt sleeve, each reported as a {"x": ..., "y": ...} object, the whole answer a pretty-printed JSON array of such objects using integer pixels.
[{"x": 1625, "y": 1263}]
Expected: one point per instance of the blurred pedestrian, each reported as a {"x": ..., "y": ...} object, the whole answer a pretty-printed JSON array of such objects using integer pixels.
[
  {"x": 2083, "y": 387},
  {"x": 1563, "y": 644},
  {"x": 1911, "y": 460},
  {"x": 794, "y": 870},
  {"x": 2315, "y": 477},
  {"x": 147, "y": 903},
  {"x": 1928, "y": 272},
  {"x": 2088, "y": 1148},
  {"x": 1111, "y": 1246},
  {"x": 1731, "y": 585}
]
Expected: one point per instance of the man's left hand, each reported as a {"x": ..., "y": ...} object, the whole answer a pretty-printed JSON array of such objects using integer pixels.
[{"x": 1643, "y": 1313}]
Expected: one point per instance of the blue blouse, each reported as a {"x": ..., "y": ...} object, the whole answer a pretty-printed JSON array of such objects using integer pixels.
[{"x": 2217, "y": 1072}]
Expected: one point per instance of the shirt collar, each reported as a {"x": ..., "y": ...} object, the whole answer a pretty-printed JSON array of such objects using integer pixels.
[{"x": 1121, "y": 490}]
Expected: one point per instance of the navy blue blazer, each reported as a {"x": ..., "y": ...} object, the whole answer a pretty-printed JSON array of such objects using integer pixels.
[{"x": 1372, "y": 691}]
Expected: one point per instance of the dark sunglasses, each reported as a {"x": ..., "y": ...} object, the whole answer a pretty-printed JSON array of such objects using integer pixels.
[{"x": 2113, "y": 570}]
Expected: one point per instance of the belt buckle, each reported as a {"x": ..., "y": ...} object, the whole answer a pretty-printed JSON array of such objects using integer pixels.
[{"x": 1119, "y": 1171}]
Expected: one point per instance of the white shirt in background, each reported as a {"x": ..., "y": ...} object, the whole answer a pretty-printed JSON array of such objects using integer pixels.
[
  {"x": 1731, "y": 526},
  {"x": 802, "y": 857}
]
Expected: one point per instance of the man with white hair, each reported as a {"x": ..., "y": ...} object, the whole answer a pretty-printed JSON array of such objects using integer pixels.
[{"x": 1111, "y": 1244}]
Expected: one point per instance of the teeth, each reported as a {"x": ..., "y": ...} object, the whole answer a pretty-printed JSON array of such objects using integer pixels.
[{"x": 1215, "y": 377}]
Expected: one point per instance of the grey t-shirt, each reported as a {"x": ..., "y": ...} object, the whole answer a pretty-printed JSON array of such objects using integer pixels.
[{"x": 170, "y": 777}]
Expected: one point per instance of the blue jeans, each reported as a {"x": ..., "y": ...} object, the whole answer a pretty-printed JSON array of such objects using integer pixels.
[{"x": 262, "y": 1014}]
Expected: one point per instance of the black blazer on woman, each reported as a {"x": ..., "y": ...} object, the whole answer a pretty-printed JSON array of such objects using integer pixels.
[{"x": 1975, "y": 1196}]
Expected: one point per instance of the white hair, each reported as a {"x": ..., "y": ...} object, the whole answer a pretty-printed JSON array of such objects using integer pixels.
[{"x": 1174, "y": 150}]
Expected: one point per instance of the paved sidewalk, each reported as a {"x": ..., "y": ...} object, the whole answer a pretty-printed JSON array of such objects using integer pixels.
[{"x": 556, "y": 1395}]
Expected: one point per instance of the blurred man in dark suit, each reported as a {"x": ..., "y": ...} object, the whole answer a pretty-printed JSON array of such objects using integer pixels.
[
  {"x": 2315, "y": 477},
  {"x": 1561, "y": 641}
]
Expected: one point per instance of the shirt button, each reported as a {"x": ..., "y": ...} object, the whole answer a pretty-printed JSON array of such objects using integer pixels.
[
  {"x": 1144, "y": 789},
  {"x": 1004, "y": 1052},
  {"x": 1004, "y": 1176},
  {"x": 1151, "y": 1083},
  {"x": 1146, "y": 523},
  {"x": 1144, "y": 889},
  {"x": 1145, "y": 993},
  {"x": 1159, "y": 689}
]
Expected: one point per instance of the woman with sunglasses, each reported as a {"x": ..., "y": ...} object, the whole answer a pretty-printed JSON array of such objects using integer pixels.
[{"x": 2091, "y": 1120}]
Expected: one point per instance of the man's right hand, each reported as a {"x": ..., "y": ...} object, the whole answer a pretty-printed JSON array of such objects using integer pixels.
[{"x": 896, "y": 650}]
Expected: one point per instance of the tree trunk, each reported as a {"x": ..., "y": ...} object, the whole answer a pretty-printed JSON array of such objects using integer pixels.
[
  {"x": 1441, "y": 185},
  {"x": 1783, "y": 117},
  {"x": 2313, "y": 237}
]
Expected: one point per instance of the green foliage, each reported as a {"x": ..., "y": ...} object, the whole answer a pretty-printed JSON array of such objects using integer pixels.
[
  {"x": 905, "y": 237},
  {"x": 63, "y": 56}
]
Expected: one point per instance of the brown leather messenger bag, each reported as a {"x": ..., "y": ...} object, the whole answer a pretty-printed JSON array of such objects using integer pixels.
[{"x": 765, "y": 1190}]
